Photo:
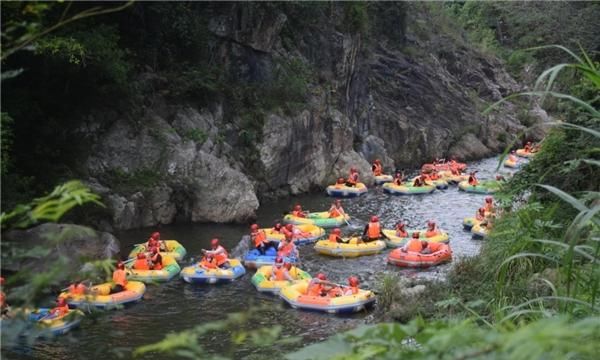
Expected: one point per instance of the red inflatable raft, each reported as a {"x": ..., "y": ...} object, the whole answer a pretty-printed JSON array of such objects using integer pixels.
[{"x": 440, "y": 253}]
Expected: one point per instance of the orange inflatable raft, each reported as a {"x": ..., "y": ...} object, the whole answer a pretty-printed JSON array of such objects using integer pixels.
[{"x": 441, "y": 253}]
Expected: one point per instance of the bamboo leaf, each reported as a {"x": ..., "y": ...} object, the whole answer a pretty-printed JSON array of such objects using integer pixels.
[{"x": 565, "y": 197}]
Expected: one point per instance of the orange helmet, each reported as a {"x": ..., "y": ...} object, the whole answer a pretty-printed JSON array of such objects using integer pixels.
[
  {"x": 155, "y": 235},
  {"x": 254, "y": 227},
  {"x": 321, "y": 276},
  {"x": 353, "y": 169},
  {"x": 374, "y": 218},
  {"x": 338, "y": 202},
  {"x": 353, "y": 281},
  {"x": 214, "y": 242}
]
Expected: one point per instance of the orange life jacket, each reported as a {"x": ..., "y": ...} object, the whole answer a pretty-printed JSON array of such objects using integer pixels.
[
  {"x": 78, "y": 289},
  {"x": 60, "y": 310},
  {"x": 259, "y": 238},
  {"x": 286, "y": 250},
  {"x": 434, "y": 176},
  {"x": 157, "y": 262},
  {"x": 209, "y": 264},
  {"x": 314, "y": 289},
  {"x": 333, "y": 213},
  {"x": 279, "y": 274},
  {"x": 333, "y": 238},
  {"x": 431, "y": 233},
  {"x": 335, "y": 292},
  {"x": 414, "y": 245},
  {"x": 141, "y": 264},
  {"x": 120, "y": 277},
  {"x": 374, "y": 230},
  {"x": 221, "y": 258},
  {"x": 377, "y": 169}
]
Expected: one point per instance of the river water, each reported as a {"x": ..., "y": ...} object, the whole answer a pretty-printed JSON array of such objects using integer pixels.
[{"x": 177, "y": 306}]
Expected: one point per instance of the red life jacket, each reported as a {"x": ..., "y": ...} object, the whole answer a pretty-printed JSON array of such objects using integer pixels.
[
  {"x": 259, "y": 238},
  {"x": 374, "y": 230}
]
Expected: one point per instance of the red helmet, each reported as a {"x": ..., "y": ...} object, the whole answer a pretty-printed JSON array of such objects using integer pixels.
[
  {"x": 374, "y": 218},
  {"x": 278, "y": 226},
  {"x": 290, "y": 227},
  {"x": 120, "y": 265},
  {"x": 155, "y": 235},
  {"x": 254, "y": 227},
  {"x": 488, "y": 199},
  {"x": 141, "y": 256},
  {"x": 336, "y": 231},
  {"x": 61, "y": 301},
  {"x": 353, "y": 281},
  {"x": 279, "y": 260},
  {"x": 214, "y": 242},
  {"x": 298, "y": 207},
  {"x": 321, "y": 276},
  {"x": 288, "y": 265},
  {"x": 415, "y": 235}
]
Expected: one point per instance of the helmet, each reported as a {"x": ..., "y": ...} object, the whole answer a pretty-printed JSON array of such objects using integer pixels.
[
  {"x": 155, "y": 235},
  {"x": 120, "y": 265},
  {"x": 374, "y": 219},
  {"x": 278, "y": 226},
  {"x": 321, "y": 276},
  {"x": 287, "y": 265},
  {"x": 488, "y": 199},
  {"x": 141, "y": 256},
  {"x": 214, "y": 242},
  {"x": 254, "y": 227},
  {"x": 353, "y": 281},
  {"x": 61, "y": 301},
  {"x": 298, "y": 207},
  {"x": 290, "y": 227},
  {"x": 279, "y": 260},
  {"x": 415, "y": 235},
  {"x": 336, "y": 231}
]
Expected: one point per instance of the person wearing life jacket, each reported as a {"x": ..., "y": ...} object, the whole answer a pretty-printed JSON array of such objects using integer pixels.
[
  {"x": 217, "y": 254},
  {"x": 398, "y": 178},
  {"x": 431, "y": 229},
  {"x": 377, "y": 168},
  {"x": 489, "y": 204},
  {"x": 259, "y": 238},
  {"x": 119, "y": 278},
  {"x": 335, "y": 235},
  {"x": 297, "y": 212},
  {"x": 279, "y": 272},
  {"x": 513, "y": 157},
  {"x": 77, "y": 288},
  {"x": 316, "y": 287},
  {"x": 434, "y": 175},
  {"x": 352, "y": 178},
  {"x": 277, "y": 229},
  {"x": 156, "y": 260},
  {"x": 455, "y": 170},
  {"x": 287, "y": 248},
  {"x": 425, "y": 248},
  {"x": 420, "y": 181},
  {"x": 336, "y": 209},
  {"x": 352, "y": 288},
  {"x": 414, "y": 244},
  {"x": 400, "y": 230},
  {"x": 527, "y": 147},
  {"x": 480, "y": 215},
  {"x": 372, "y": 230},
  {"x": 340, "y": 183},
  {"x": 473, "y": 179},
  {"x": 61, "y": 309},
  {"x": 141, "y": 262}
]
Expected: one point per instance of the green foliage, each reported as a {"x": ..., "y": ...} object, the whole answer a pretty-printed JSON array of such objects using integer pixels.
[
  {"x": 6, "y": 140},
  {"x": 356, "y": 17},
  {"x": 197, "y": 135},
  {"x": 131, "y": 182}
]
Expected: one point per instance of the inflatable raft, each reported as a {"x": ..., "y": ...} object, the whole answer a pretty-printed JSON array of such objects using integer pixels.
[
  {"x": 196, "y": 274},
  {"x": 511, "y": 164},
  {"x": 382, "y": 179},
  {"x": 56, "y": 325},
  {"x": 394, "y": 189},
  {"x": 100, "y": 296},
  {"x": 353, "y": 248},
  {"x": 439, "y": 183},
  {"x": 295, "y": 296},
  {"x": 254, "y": 259},
  {"x": 524, "y": 153},
  {"x": 174, "y": 249},
  {"x": 169, "y": 270},
  {"x": 440, "y": 253},
  {"x": 346, "y": 191},
  {"x": 261, "y": 280},
  {"x": 306, "y": 234},
  {"x": 427, "y": 168},
  {"x": 479, "y": 231},
  {"x": 468, "y": 222},
  {"x": 484, "y": 187},
  {"x": 394, "y": 241},
  {"x": 451, "y": 178},
  {"x": 320, "y": 219}
]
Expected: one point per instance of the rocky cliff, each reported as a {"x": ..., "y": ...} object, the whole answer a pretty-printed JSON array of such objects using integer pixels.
[{"x": 382, "y": 80}]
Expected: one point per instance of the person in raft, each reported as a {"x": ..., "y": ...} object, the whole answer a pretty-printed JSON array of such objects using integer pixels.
[
  {"x": 420, "y": 181},
  {"x": 281, "y": 271},
  {"x": 335, "y": 235},
  {"x": 77, "y": 288},
  {"x": 336, "y": 209},
  {"x": 217, "y": 257},
  {"x": 277, "y": 229},
  {"x": 432, "y": 229},
  {"x": 434, "y": 175},
  {"x": 454, "y": 170},
  {"x": 480, "y": 215},
  {"x": 401, "y": 230},
  {"x": 513, "y": 157},
  {"x": 489, "y": 204},
  {"x": 528, "y": 146},
  {"x": 297, "y": 212},
  {"x": 119, "y": 278},
  {"x": 287, "y": 248},
  {"x": 413, "y": 245},
  {"x": 352, "y": 288},
  {"x": 153, "y": 241},
  {"x": 259, "y": 238},
  {"x": 61, "y": 309},
  {"x": 352, "y": 178},
  {"x": 319, "y": 286},
  {"x": 473, "y": 178},
  {"x": 398, "y": 178},
  {"x": 377, "y": 168},
  {"x": 372, "y": 230},
  {"x": 156, "y": 262},
  {"x": 142, "y": 262}
]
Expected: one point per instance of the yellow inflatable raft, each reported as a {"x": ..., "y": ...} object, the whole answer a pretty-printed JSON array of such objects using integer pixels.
[
  {"x": 511, "y": 164},
  {"x": 382, "y": 179},
  {"x": 453, "y": 179},
  {"x": 394, "y": 189},
  {"x": 479, "y": 231},
  {"x": 296, "y": 296},
  {"x": 174, "y": 249},
  {"x": 57, "y": 325},
  {"x": 169, "y": 270},
  {"x": 100, "y": 296},
  {"x": 353, "y": 248},
  {"x": 320, "y": 219},
  {"x": 524, "y": 153},
  {"x": 396, "y": 241},
  {"x": 339, "y": 190},
  {"x": 303, "y": 234},
  {"x": 263, "y": 283}
]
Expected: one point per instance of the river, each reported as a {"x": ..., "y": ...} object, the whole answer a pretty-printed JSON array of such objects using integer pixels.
[{"x": 176, "y": 306}]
